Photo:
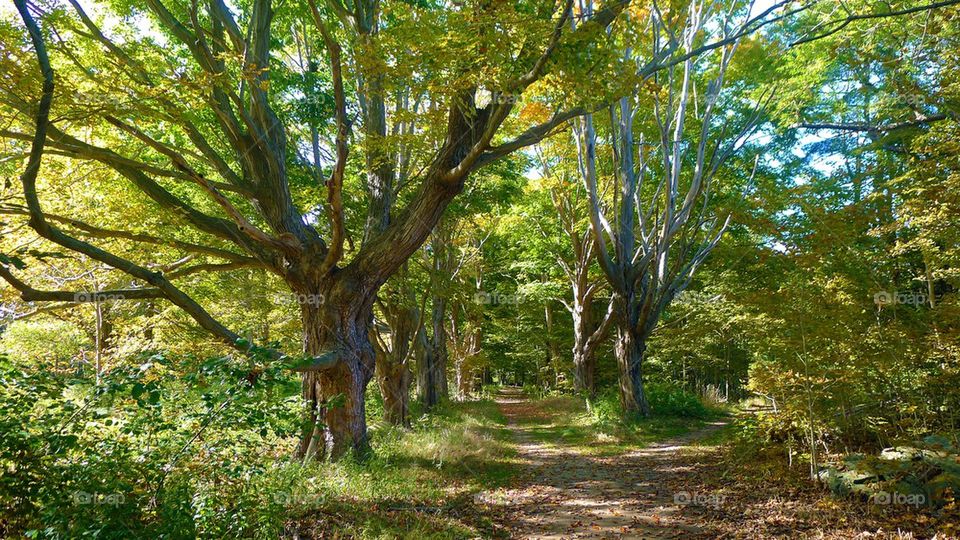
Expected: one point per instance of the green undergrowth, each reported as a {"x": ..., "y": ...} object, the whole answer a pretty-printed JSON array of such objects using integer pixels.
[
  {"x": 598, "y": 426},
  {"x": 145, "y": 454},
  {"x": 418, "y": 483}
]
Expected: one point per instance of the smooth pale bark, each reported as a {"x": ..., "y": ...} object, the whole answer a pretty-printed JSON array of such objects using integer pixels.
[{"x": 658, "y": 230}]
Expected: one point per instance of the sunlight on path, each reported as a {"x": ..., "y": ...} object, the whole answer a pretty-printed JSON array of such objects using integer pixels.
[{"x": 566, "y": 494}]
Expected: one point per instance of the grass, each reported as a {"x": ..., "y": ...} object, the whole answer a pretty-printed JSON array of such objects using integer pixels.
[
  {"x": 419, "y": 483},
  {"x": 422, "y": 482},
  {"x": 567, "y": 421}
]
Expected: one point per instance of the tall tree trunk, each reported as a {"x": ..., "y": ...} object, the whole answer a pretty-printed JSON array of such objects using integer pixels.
[
  {"x": 587, "y": 338},
  {"x": 336, "y": 416},
  {"x": 426, "y": 368},
  {"x": 631, "y": 346},
  {"x": 103, "y": 337},
  {"x": 584, "y": 369},
  {"x": 392, "y": 371},
  {"x": 630, "y": 350},
  {"x": 439, "y": 346},
  {"x": 584, "y": 357},
  {"x": 394, "y": 381}
]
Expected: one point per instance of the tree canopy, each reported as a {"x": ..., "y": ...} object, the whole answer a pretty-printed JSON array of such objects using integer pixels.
[{"x": 250, "y": 211}]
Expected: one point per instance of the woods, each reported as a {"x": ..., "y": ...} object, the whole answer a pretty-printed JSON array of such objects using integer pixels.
[{"x": 337, "y": 240}]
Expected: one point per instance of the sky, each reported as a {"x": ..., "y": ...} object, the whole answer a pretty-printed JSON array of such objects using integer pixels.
[{"x": 760, "y": 6}]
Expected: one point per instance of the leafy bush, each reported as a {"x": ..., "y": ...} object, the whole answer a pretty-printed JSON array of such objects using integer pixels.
[
  {"x": 669, "y": 400},
  {"x": 153, "y": 453},
  {"x": 145, "y": 453},
  {"x": 50, "y": 341},
  {"x": 664, "y": 399}
]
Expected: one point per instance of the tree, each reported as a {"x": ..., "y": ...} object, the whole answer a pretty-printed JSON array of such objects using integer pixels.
[
  {"x": 566, "y": 244},
  {"x": 198, "y": 113},
  {"x": 198, "y": 133},
  {"x": 663, "y": 229},
  {"x": 588, "y": 334},
  {"x": 395, "y": 349}
]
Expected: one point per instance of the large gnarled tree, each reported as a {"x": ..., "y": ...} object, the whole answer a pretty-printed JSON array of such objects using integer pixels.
[{"x": 195, "y": 128}]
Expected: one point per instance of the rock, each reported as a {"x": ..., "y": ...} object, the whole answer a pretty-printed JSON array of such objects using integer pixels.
[{"x": 901, "y": 453}]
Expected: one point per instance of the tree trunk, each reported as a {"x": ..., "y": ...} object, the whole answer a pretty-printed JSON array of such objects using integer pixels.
[
  {"x": 439, "y": 346},
  {"x": 392, "y": 372},
  {"x": 458, "y": 377},
  {"x": 584, "y": 355},
  {"x": 394, "y": 381},
  {"x": 630, "y": 349},
  {"x": 336, "y": 416},
  {"x": 584, "y": 367},
  {"x": 426, "y": 360}
]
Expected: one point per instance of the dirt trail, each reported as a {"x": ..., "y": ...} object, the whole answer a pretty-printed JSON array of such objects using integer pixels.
[{"x": 567, "y": 494}]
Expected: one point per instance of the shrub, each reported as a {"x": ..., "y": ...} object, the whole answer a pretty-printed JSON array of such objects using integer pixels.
[
  {"x": 664, "y": 399},
  {"x": 145, "y": 453},
  {"x": 668, "y": 400}
]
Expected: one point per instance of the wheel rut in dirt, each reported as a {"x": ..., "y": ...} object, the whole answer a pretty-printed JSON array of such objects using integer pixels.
[{"x": 566, "y": 493}]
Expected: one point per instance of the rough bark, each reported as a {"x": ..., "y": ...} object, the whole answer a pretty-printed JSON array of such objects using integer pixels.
[
  {"x": 336, "y": 416},
  {"x": 587, "y": 337},
  {"x": 278, "y": 239},
  {"x": 584, "y": 370},
  {"x": 466, "y": 338},
  {"x": 392, "y": 365},
  {"x": 394, "y": 381},
  {"x": 438, "y": 343},
  {"x": 426, "y": 369},
  {"x": 631, "y": 345}
]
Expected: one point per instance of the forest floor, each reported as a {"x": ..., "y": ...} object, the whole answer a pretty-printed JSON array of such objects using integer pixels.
[
  {"x": 547, "y": 468},
  {"x": 678, "y": 487}
]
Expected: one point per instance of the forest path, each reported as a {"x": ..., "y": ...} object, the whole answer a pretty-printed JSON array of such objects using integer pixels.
[{"x": 568, "y": 493}]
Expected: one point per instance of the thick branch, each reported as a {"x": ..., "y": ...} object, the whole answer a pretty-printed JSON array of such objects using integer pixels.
[
  {"x": 39, "y": 223},
  {"x": 29, "y": 294},
  {"x": 531, "y": 136},
  {"x": 335, "y": 182},
  {"x": 875, "y": 128},
  {"x": 288, "y": 244},
  {"x": 99, "y": 232}
]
